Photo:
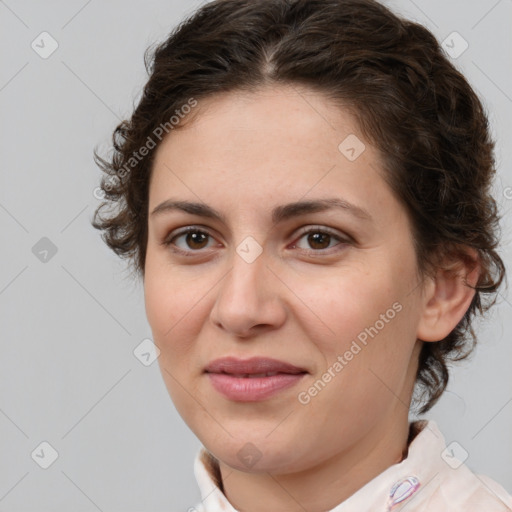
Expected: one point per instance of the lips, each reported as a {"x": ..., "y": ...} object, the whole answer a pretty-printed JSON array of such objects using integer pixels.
[
  {"x": 252, "y": 368},
  {"x": 252, "y": 380}
]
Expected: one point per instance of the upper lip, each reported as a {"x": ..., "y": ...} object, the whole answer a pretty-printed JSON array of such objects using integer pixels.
[{"x": 236, "y": 366}]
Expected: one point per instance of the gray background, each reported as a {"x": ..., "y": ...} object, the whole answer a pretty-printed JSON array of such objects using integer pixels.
[{"x": 70, "y": 324}]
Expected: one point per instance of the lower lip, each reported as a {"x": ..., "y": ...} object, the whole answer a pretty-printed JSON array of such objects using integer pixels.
[{"x": 247, "y": 389}]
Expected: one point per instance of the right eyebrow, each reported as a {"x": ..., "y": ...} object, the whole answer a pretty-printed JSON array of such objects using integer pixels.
[{"x": 199, "y": 209}]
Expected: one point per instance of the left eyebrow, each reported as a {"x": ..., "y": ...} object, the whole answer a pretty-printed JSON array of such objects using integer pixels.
[{"x": 279, "y": 213}]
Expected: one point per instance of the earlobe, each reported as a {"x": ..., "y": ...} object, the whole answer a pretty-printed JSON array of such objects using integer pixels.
[{"x": 448, "y": 296}]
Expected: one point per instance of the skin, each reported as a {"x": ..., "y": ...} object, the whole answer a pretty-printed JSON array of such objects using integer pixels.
[{"x": 244, "y": 154}]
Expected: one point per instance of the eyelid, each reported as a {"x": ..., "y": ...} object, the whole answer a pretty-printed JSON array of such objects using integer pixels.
[
  {"x": 195, "y": 228},
  {"x": 343, "y": 237},
  {"x": 186, "y": 229}
]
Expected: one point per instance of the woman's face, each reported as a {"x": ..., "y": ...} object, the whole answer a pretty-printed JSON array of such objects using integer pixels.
[{"x": 331, "y": 290}]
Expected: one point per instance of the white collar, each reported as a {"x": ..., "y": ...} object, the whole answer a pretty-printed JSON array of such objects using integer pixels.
[{"x": 428, "y": 465}]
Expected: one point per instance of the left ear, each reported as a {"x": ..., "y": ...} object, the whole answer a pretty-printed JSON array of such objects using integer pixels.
[{"x": 448, "y": 295}]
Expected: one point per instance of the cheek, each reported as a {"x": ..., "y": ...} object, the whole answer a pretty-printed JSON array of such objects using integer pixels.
[
  {"x": 159, "y": 305},
  {"x": 361, "y": 380},
  {"x": 170, "y": 312},
  {"x": 342, "y": 308},
  {"x": 169, "y": 301},
  {"x": 366, "y": 321}
]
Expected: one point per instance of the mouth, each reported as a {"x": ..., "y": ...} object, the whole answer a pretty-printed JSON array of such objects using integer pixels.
[
  {"x": 253, "y": 367},
  {"x": 252, "y": 379},
  {"x": 251, "y": 375}
]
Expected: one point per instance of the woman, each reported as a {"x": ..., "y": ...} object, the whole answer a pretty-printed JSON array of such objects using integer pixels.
[{"x": 304, "y": 187}]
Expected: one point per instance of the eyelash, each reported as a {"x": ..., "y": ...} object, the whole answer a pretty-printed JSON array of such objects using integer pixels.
[{"x": 193, "y": 229}]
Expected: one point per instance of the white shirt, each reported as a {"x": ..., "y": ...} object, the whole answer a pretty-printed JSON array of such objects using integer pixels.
[{"x": 430, "y": 479}]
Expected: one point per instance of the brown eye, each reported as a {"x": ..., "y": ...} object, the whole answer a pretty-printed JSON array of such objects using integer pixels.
[
  {"x": 319, "y": 241},
  {"x": 196, "y": 240},
  {"x": 189, "y": 240}
]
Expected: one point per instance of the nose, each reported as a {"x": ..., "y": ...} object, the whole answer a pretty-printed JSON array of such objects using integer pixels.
[{"x": 249, "y": 299}]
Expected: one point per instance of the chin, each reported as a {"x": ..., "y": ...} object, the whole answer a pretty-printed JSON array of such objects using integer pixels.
[
  {"x": 252, "y": 460},
  {"x": 255, "y": 453}
]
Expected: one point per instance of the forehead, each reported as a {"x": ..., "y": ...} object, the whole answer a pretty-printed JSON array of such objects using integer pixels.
[
  {"x": 263, "y": 147},
  {"x": 281, "y": 117}
]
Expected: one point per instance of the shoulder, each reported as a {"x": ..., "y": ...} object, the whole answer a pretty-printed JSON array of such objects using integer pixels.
[
  {"x": 447, "y": 484},
  {"x": 461, "y": 490},
  {"x": 199, "y": 507}
]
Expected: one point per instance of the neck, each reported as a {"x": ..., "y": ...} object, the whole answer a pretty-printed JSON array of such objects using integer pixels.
[{"x": 326, "y": 485}]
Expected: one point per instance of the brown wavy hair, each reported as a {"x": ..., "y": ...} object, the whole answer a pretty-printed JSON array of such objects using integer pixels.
[{"x": 411, "y": 102}]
